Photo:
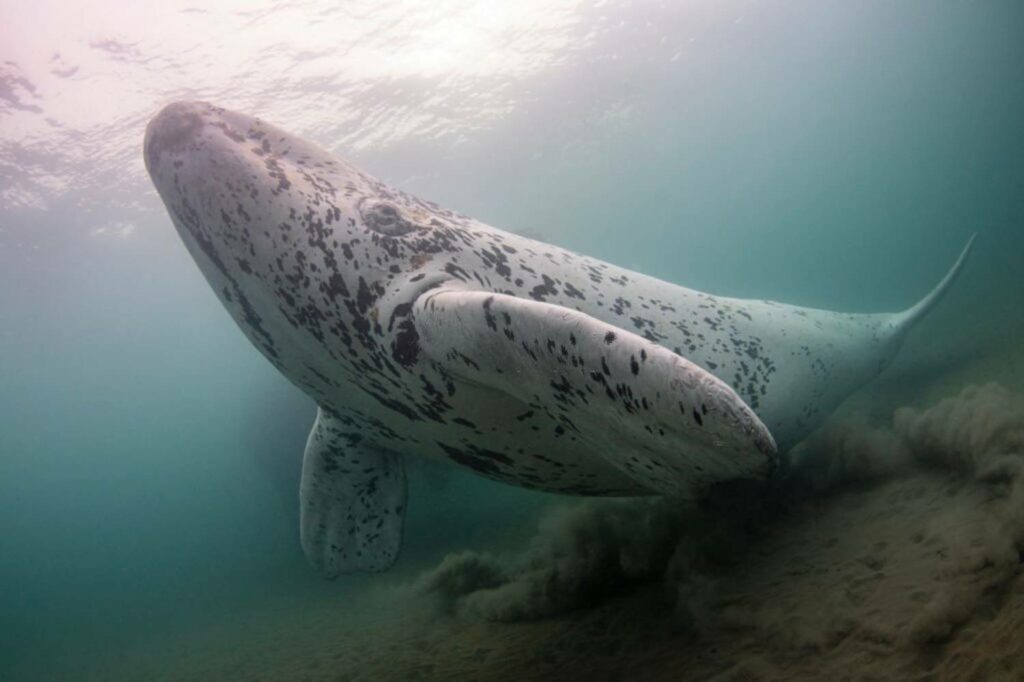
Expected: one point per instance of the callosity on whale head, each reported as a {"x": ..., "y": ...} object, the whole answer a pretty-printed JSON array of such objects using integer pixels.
[{"x": 422, "y": 332}]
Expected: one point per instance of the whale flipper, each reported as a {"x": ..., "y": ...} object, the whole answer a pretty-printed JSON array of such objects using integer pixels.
[
  {"x": 665, "y": 422},
  {"x": 352, "y": 501}
]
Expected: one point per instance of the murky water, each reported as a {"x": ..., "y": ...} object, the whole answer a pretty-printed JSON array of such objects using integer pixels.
[{"x": 826, "y": 154}]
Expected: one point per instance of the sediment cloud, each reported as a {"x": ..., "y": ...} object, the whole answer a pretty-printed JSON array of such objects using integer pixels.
[{"x": 895, "y": 532}]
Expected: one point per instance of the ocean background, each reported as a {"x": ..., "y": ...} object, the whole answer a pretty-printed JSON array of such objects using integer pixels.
[{"x": 828, "y": 154}]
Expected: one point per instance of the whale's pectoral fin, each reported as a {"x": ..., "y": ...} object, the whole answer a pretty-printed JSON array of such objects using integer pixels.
[
  {"x": 352, "y": 500},
  {"x": 664, "y": 421}
]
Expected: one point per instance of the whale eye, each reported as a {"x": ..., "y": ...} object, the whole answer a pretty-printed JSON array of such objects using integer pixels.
[{"x": 387, "y": 219}]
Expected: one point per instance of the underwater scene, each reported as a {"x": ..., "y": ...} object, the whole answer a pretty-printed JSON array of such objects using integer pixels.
[{"x": 472, "y": 340}]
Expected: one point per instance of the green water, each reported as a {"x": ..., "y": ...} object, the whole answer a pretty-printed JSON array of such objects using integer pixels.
[{"x": 828, "y": 154}]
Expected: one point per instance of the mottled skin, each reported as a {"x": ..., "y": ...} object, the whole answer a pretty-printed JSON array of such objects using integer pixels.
[{"x": 417, "y": 330}]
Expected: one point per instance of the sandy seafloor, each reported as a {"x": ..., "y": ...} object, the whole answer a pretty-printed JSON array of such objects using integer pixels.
[{"x": 892, "y": 551}]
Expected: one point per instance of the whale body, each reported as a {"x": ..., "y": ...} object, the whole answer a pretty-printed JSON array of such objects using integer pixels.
[{"x": 421, "y": 332}]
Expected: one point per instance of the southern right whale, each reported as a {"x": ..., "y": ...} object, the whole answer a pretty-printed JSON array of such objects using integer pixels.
[{"x": 419, "y": 331}]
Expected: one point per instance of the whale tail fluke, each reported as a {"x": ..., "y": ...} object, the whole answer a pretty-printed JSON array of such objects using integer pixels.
[{"x": 909, "y": 317}]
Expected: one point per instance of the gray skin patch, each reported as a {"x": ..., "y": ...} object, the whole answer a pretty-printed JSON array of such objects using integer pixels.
[{"x": 322, "y": 267}]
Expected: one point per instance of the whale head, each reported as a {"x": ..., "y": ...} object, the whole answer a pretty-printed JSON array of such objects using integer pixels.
[{"x": 300, "y": 246}]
